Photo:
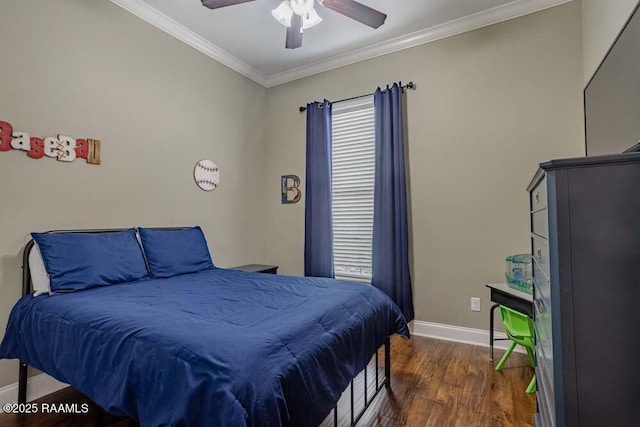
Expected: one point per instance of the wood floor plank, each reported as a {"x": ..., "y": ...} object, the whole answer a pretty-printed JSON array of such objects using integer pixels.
[{"x": 434, "y": 383}]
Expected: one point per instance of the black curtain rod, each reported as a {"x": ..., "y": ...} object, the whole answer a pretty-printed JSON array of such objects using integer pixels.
[{"x": 410, "y": 86}]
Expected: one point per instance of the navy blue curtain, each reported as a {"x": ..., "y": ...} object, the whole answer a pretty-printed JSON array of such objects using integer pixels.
[
  {"x": 318, "y": 225},
  {"x": 390, "y": 256}
]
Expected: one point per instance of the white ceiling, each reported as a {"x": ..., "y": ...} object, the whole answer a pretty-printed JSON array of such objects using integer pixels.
[{"x": 248, "y": 39}]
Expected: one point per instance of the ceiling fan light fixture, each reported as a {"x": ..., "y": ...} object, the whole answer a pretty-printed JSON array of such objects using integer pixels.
[
  {"x": 311, "y": 19},
  {"x": 283, "y": 13}
]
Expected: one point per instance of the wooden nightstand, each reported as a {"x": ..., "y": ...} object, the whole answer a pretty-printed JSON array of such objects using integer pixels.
[{"x": 257, "y": 268}]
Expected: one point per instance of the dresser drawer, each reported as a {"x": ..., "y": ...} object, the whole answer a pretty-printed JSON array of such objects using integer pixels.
[
  {"x": 540, "y": 223},
  {"x": 541, "y": 284},
  {"x": 540, "y": 253},
  {"x": 542, "y": 316},
  {"x": 544, "y": 351},
  {"x": 539, "y": 196},
  {"x": 545, "y": 366},
  {"x": 544, "y": 398},
  {"x": 544, "y": 344},
  {"x": 543, "y": 412}
]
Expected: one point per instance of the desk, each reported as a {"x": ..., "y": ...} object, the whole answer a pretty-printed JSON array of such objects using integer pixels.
[{"x": 502, "y": 294}]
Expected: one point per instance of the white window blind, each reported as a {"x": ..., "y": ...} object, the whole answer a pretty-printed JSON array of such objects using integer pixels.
[{"x": 353, "y": 157}]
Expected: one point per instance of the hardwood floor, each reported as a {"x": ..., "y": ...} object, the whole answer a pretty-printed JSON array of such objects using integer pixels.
[{"x": 433, "y": 383}]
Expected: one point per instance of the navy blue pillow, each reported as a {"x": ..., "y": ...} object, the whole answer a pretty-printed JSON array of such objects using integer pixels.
[
  {"x": 78, "y": 261},
  {"x": 173, "y": 252}
]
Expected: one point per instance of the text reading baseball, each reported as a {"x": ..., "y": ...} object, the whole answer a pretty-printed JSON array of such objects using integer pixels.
[{"x": 61, "y": 147}]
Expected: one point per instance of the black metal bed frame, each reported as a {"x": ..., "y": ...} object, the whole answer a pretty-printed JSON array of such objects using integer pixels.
[
  {"x": 386, "y": 383},
  {"x": 354, "y": 419}
]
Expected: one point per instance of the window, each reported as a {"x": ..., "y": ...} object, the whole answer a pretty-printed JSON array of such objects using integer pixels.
[{"x": 353, "y": 160}]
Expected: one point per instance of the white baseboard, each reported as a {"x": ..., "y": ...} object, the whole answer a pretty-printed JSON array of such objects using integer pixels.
[
  {"x": 37, "y": 386},
  {"x": 458, "y": 334}
]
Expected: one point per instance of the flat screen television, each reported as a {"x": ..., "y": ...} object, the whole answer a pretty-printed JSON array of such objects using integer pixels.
[{"x": 612, "y": 97}]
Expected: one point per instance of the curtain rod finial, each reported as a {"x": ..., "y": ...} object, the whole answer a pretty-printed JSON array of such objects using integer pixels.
[{"x": 303, "y": 109}]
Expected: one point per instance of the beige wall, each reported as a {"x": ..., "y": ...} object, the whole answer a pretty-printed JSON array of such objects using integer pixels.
[
  {"x": 602, "y": 21},
  {"x": 88, "y": 68},
  {"x": 491, "y": 104}
]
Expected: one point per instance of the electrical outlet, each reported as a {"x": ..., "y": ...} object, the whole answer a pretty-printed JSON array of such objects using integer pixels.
[{"x": 475, "y": 304}]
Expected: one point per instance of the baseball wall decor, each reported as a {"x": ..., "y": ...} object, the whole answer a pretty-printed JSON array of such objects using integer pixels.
[
  {"x": 61, "y": 147},
  {"x": 290, "y": 185},
  {"x": 207, "y": 175}
]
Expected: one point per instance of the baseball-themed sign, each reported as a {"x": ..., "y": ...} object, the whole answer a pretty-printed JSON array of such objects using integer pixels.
[
  {"x": 291, "y": 192},
  {"x": 207, "y": 175},
  {"x": 61, "y": 147}
]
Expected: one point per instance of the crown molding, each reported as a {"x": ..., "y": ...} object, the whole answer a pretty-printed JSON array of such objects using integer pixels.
[
  {"x": 485, "y": 18},
  {"x": 159, "y": 20}
]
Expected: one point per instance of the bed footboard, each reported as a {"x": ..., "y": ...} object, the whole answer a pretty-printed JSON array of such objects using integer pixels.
[
  {"x": 368, "y": 397},
  {"x": 354, "y": 418},
  {"x": 22, "y": 383}
]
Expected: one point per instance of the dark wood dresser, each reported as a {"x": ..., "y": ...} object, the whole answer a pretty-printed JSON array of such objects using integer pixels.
[{"x": 585, "y": 241}]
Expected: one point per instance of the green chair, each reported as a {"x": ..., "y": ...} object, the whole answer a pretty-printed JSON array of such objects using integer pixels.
[{"x": 519, "y": 329}]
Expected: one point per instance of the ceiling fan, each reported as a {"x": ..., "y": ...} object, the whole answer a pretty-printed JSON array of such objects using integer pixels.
[{"x": 299, "y": 15}]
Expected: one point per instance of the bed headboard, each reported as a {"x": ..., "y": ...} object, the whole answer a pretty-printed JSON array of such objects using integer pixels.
[{"x": 26, "y": 270}]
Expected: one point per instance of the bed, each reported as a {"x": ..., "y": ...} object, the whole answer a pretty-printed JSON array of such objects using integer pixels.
[{"x": 210, "y": 348}]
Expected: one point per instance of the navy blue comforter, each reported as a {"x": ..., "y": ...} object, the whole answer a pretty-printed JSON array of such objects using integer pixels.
[{"x": 215, "y": 348}]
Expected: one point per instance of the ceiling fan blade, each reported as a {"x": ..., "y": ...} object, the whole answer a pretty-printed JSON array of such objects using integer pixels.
[
  {"x": 357, "y": 11},
  {"x": 215, "y": 4},
  {"x": 294, "y": 33}
]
